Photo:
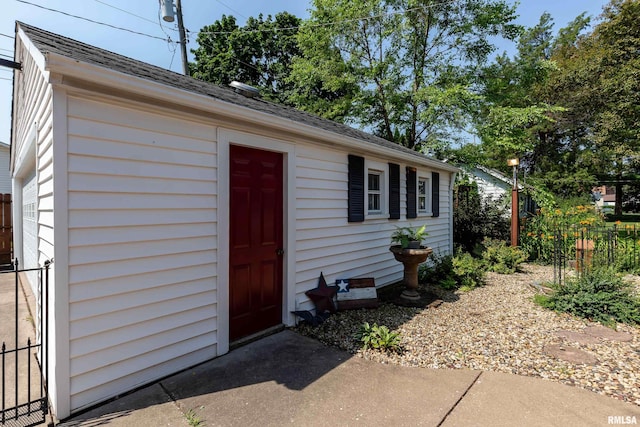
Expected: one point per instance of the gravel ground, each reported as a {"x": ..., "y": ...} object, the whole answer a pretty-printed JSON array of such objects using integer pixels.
[{"x": 496, "y": 328}]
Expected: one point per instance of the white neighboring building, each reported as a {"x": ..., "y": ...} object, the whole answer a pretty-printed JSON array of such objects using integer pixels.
[
  {"x": 494, "y": 185},
  {"x": 183, "y": 216},
  {"x": 5, "y": 173}
]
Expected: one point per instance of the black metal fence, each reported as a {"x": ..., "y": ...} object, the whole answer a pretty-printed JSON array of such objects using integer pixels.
[
  {"x": 24, "y": 354},
  {"x": 579, "y": 248}
]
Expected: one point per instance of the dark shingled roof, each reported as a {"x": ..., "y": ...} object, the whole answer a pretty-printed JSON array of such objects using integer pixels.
[{"x": 48, "y": 42}]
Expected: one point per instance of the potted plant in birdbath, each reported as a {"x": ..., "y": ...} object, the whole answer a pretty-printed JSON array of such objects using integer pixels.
[
  {"x": 409, "y": 237},
  {"x": 410, "y": 252}
]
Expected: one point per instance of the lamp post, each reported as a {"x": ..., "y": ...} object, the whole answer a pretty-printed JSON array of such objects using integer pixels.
[{"x": 514, "y": 202}]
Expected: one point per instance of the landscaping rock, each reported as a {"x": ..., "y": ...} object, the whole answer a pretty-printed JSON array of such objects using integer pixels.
[
  {"x": 498, "y": 327},
  {"x": 570, "y": 354},
  {"x": 578, "y": 337},
  {"x": 608, "y": 334}
]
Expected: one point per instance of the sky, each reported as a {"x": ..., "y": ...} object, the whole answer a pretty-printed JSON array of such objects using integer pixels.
[{"x": 143, "y": 16}]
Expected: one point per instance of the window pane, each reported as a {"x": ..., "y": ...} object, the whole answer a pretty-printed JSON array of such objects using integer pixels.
[
  {"x": 422, "y": 204},
  {"x": 422, "y": 187},
  {"x": 374, "y": 202},
  {"x": 374, "y": 182}
]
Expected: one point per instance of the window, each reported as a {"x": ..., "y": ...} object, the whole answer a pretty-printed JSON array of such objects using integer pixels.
[
  {"x": 373, "y": 192},
  {"x": 424, "y": 199}
]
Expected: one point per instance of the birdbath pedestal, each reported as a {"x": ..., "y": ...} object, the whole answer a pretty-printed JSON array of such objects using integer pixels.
[{"x": 411, "y": 259}]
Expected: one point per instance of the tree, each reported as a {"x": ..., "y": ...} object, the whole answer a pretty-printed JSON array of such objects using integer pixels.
[
  {"x": 258, "y": 54},
  {"x": 403, "y": 69},
  {"x": 532, "y": 112},
  {"x": 599, "y": 83}
]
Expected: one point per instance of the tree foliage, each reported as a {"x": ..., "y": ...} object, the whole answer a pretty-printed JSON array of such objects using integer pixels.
[
  {"x": 403, "y": 69},
  {"x": 258, "y": 54},
  {"x": 568, "y": 104}
]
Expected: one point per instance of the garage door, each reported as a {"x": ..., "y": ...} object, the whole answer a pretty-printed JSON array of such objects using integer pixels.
[{"x": 29, "y": 225}]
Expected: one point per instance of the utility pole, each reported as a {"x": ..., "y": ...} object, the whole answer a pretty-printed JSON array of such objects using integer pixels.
[{"x": 183, "y": 39}]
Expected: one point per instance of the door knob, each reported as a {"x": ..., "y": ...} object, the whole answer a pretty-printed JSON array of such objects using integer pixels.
[{"x": 279, "y": 251}]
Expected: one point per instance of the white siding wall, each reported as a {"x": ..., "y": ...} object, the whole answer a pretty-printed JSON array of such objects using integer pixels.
[
  {"x": 5, "y": 175},
  {"x": 33, "y": 126},
  {"x": 326, "y": 242},
  {"x": 490, "y": 186},
  {"x": 142, "y": 247},
  {"x": 32, "y": 150}
]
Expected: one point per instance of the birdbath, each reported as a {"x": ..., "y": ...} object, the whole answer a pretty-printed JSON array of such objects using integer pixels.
[{"x": 411, "y": 259}]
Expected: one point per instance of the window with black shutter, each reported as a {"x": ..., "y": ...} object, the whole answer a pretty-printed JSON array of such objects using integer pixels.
[
  {"x": 412, "y": 211},
  {"x": 435, "y": 193},
  {"x": 356, "y": 189},
  {"x": 394, "y": 191}
]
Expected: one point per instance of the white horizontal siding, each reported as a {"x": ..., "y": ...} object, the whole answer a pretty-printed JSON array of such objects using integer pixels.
[
  {"x": 326, "y": 242},
  {"x": 142, "y": 247},
  {"x": 5, "y": 174}
]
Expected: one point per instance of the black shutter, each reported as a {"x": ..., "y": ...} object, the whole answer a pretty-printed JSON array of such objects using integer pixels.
[
  {"x": 356, "y": 189},
  {"x": 394, "y": 191},
  {"x": 412, "y": 208},
  {"x": 435, "y": 193}
]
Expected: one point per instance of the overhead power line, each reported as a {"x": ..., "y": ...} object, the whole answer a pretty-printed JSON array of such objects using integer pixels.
[
  {"x": 131, "y": 13},
  {"x": 329, "y": 24},
  {"x": 7, "y": 36},
  {"x": 231, "y": 9},
  {"x": 91, "y": 20}
]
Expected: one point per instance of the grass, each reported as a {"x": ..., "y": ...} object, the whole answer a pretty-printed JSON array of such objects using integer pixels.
[
  {"x": 624, "y": 219},
  {"x": 193, "y": 419}
]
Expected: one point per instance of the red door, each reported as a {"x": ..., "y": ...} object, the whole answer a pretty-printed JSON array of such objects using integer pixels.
[{"x": 255, "y": 270}]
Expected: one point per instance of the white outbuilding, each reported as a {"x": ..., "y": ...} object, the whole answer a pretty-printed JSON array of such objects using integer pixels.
[{"x": 183, "y": 216}]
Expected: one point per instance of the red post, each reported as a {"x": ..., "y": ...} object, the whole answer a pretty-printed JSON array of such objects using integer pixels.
[{"x": 515, "y": 226}]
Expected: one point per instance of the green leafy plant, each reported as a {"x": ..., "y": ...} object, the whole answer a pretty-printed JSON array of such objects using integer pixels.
[
  {"x": 453, "y": 272},
  {"x": 500, "y": 258},
  {"x": 469, "y": 271},
  {"x": 600, "y": 295},
  {"x": 475, "y": 218},
  {"x": 404, "y": 235},
  {"x": 557, "y": 227},
  {"x": 378, "y": 337}
]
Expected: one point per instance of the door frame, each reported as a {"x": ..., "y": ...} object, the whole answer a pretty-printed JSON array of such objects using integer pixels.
[{"x": 226, "y": 138}]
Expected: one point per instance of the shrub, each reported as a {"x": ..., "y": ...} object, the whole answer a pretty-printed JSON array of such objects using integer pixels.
[
  {"x": 550, "y": 227},
  {"x": 600, "y": 295},
  {"x": 441, "y": 269},
  {"x": 475, "y": 219},
  {"x": 500, "y": 258},
  {"x": 378, "y": 337},
  {"x": 468, "y": 271},
  {"x": 453, "y": 272}
]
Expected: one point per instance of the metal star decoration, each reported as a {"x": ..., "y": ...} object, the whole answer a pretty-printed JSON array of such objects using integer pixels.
[
  {"x": 322, "y": 296},
  {"x": 343, "y": 285}
]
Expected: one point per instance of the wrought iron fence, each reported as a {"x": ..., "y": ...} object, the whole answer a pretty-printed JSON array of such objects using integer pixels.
[
  {"x": 579, "y": 248},
  {"x": 24, "y": 355}
]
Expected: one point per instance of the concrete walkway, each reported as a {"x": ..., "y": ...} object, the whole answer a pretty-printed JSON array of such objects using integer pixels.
[{"x": 290, "y": 379}]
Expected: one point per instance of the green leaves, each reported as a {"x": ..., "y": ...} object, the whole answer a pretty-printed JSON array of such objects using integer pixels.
[
  {"x": 389, "y": 63},
  {"x": 378, "y": 337},
  {"x": 258, "y": 54},
  {"x": 599, "y": 295}
]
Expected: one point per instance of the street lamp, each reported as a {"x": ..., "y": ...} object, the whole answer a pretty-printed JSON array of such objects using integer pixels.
[{"x": 514, "y": 202}]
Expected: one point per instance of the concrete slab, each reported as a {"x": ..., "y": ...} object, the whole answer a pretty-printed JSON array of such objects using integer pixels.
[
  {"x": 290, "y": 379},
  {"x": 148, "y": 407},
  {"x": 498, "y": 399}
]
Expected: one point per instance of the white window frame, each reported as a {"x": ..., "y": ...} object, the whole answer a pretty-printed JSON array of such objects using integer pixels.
[
  {"x": 380, "y": 169},
  {"x": 426, "y": 177}
]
